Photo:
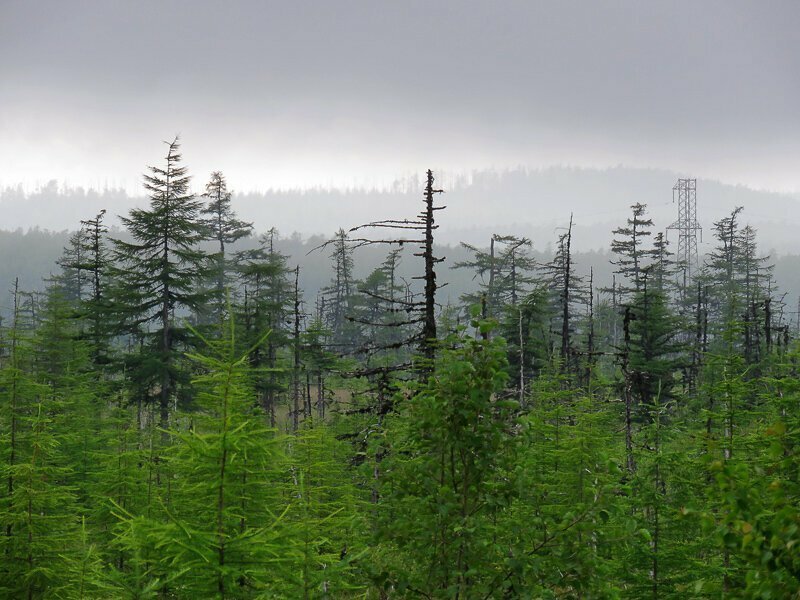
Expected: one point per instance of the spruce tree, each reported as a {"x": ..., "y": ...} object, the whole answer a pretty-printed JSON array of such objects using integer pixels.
[
  {"x": 97, "y": 308},
  {"x": 73, "y": 278},
  {"x": 157, "y": 277},
  {"x": 224, "y": 228},
  {"x": 629, "y": 246},
  {"x": 654, "y": 349},
  {"x": 340, "y": 296}
]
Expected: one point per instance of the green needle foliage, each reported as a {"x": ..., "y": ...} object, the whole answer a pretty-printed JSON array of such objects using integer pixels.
[
  {"x": 160, "y": 269},
  {"x": 223, "y": 534},
  {"x": 327, "y": 515},
  {"x": 567, "y": 477},
  {"x": 39, "y": 517},
  {"x": 448, "y": 475}
]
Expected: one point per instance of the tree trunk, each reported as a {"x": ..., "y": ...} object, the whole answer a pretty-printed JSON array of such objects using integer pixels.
[{"x": 296, "y": 369}]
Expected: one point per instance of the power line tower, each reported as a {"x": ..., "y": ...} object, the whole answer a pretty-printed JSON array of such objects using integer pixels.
[{"x": 685, "y": 193}]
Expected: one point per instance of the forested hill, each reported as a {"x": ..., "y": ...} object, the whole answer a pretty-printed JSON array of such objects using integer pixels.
[{"x": 521, "y": 202}]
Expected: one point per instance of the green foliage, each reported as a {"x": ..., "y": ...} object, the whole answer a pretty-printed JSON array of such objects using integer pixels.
[
  {"x": 567, "y": 478},
  {"x": 225, "y": 229},
  {"x": 631, "y": 256},
  {"x": 266, "y": 306},
  {"x": 448, "y": 475},
  {"x": 759, "y": 495},
  {"x": 38, "y": 515},
  {"x": 134, "y": 466},
  {"x": 328, "y": 517},
  {"x": 654, "y": 349},
  {"x": 526, "y": 328},
  {"x": 340, "y": 296},
  {"x": 504, "y": 272},
  {"x": 221, "y": 532},
  {"x": 157, "y": 274}
]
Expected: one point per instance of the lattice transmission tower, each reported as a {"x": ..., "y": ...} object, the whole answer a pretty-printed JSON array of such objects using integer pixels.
[{"x": 684, "y": 192}]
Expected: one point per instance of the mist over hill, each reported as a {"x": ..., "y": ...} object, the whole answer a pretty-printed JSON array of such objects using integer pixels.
[{"x": 521, "y": 201}]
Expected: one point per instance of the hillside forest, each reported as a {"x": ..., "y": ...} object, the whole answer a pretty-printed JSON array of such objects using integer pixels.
[{"x": 178, "y": 419}]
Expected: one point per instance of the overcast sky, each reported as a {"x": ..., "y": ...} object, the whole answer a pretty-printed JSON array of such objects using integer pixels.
[{"x": 335, "y": 92}]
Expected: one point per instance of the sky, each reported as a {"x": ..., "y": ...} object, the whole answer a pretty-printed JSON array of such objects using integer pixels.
[{"x": 340, "y": 93}]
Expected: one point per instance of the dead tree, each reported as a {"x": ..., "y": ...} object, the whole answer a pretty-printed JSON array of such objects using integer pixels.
[
  {"x": 296, "y": 351},
  {"x": 591, "y": 358},
  {"x": 420, "y": 312},
  {"x": 630, "y": 463},
  {"x": 566, "y": 288},
  {"x": 428, "y": 339}
]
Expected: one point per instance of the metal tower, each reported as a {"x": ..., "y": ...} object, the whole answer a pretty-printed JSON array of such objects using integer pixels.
[{"x": 685, "y": 193}]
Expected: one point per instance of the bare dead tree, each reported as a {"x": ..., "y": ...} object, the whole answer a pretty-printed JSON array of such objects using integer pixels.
[
  {"x": 296, "y": 352},
  {"x": 627, "y": 375},
  {"x": 419, "y": 231}
]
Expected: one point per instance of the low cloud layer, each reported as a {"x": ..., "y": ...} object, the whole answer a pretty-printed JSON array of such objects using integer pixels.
[{"x": 317, "y": 93}]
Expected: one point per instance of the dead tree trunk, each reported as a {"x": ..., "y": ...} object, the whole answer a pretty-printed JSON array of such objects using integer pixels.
[
  {"x": 12, "y": 456},
  {"x": 296, "y": 345},
  {"x": 428, "y": 342},
  {"x": 590, "y": 359},
  {"x": 627, "y": 391},
  {"x": 565, "y": 299}
]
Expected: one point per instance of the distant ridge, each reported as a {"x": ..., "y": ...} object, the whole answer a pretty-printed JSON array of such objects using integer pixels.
[{"x": 523, "y": 201}]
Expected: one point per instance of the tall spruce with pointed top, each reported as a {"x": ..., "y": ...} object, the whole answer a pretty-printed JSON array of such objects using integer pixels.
[
  {"x": 628, "y": 245},
  {"x": 84, "y": 273},
  {"x": 663, "y": 267},
  {"x": 160, "y": 269},
  {"x": 73, "y": 277},
  {"x": 224, "y": 228},
  {"x": 93, "y": 232},
  {"x": 738, "y": 281}
]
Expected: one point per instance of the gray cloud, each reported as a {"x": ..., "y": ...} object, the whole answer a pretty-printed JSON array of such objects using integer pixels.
[{"x": 279, "y": 93}]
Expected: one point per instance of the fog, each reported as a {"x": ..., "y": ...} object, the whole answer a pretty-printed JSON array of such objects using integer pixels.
[{"x": 305, "y": 94}]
